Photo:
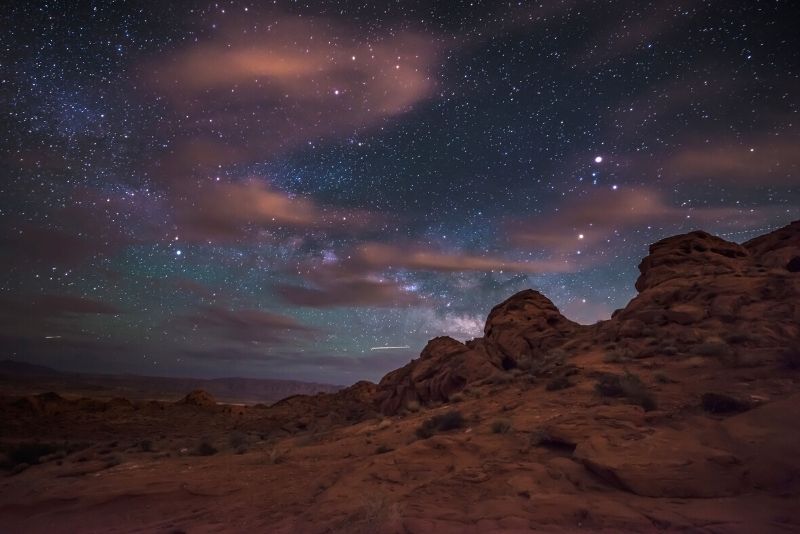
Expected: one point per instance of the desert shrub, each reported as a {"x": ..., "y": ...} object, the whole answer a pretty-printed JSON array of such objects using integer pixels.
[
  {"x": 237, "y": 439},
  {"x": 629, "y": 386},
  {"x": 205, "y": 448},
  {"x": 501, "y": 426},
  {"x": 542, "y": 438},
  {"x": 790, "y": 359},
  {"x": 524, "y": 363},
  {"x": 721, "y": 403},
  {"x": 712, "y": 348},
  {"x": 669, "y": 350},
  {"x": 661, "y": 378},
  {"x": 383, "y": 449},
  {"x": 113, "y": 460},
  {"x": 501, "y": 377},
  {"x": 440, "y": 423},
  {"x": 457, "y": 397},
  {"x": 617, "y": 357},
  {"x": 738, "y": 338},
  {"x": 27, "y": 453},
  {"x": 558, "y": 383}
]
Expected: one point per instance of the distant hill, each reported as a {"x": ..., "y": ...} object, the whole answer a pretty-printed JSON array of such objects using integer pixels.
[
  {"x": 22, "y": 377},
  {"x": 17, "y": 368}
]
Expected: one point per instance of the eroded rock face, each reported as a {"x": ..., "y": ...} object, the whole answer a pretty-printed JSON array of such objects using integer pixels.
[
  {"x": 444, "y": 368},
  {"x": 523, "y": 327},
  {"x": 697, "y": 288},
  {"x": 526, "y": 324},
  {"x": 779, "y": 249},
  {"x": 687, "y": 256}
]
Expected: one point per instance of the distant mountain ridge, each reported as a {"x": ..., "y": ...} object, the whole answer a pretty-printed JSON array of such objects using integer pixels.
[{"x": 33, "y": 376}]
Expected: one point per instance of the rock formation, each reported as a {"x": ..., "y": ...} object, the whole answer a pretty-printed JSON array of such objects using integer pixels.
[
  {"x": 677, "y": 414},
  {"x": 199, "y": 398}
]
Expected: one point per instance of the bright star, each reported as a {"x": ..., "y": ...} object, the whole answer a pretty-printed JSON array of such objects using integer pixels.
[{"x": 598, "y": 159}]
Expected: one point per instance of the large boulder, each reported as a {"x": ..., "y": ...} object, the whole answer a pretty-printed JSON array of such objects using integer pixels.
[
  {"x": 687, "y": 256},
  {"x": 697, "y": 287},
  {"x": 444, "y": 368},
  {"x": 779, "y": 249},
  {"x": 198, "y": 398},
  {"x": 526, "y": 325}
]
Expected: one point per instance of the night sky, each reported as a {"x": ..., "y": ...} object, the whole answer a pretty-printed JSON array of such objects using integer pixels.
[{"x": 285, "y": 189}]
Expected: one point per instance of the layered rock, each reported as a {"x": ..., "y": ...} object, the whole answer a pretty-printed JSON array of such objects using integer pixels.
[
  {"x": 697, "y": 288},
  {"x": 444, "y": 367},
  {"x": 525, "y": 325},
  {"x": 522, "y": 328},
  {"x": 779, "y": 249}
]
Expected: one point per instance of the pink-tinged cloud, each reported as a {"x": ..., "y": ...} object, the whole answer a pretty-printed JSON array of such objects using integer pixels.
[
  {"x": 337, "y": 291},
  {"x": 227, "y": 211},
  {"x": 767, "y": 160},
  {"x": 582, "y": 223},
  {"x": 242, "y": 325},
  {"x": 283, "y": 83},
  {"x": 381, "y": 256}
]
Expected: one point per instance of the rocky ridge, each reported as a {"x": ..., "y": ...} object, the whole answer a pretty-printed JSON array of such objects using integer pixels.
[{"x": 677, "y": 414}]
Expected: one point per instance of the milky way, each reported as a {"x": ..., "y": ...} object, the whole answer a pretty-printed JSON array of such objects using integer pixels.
[{"x": 228, "y": 189}]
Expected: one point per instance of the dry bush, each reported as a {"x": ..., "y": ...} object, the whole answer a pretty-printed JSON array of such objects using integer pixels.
[
  {"x": 501, "y": 426},
  {"x": 558, "y": 383},
  {"x": 27, "y": 453},
  {"x": 712, "y": 348},
  {"x": 790, "y": 359},
  {"x": 629, "y": 386},
  {"x": 412, "y": 406},
  {"x": 440, "y": 423},
  {"x": 383, "y": 449},
  {"x": 456, "y": 397},
  {"x": 721, "y": 403},
  {"x": 237, "y": 439},
  {"x": 205, "y": 448}
]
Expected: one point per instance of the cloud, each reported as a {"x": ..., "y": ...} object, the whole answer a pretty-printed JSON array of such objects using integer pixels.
[
  {"x": 56, "y": 305},
  {"x": 767, "y": 160},
  {"x": 37, "y": 309},
  {"x": 284, "y": 82},
  {"x": 87, "y": 228},
  {"x": 347, "y": 291},
  {"x": 414, "y": 257},
  {"x": 243, "y": 325},
  {"x": 230, "y": 211},
  {"x": 624, "y": 35},
  {"x": 585, "y": 222}
]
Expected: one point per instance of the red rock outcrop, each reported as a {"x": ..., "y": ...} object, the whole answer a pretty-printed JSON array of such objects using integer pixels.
[
  {"x": 525, "y": 325},
  {"x": 199, "y": 398},
  {"x": 697, "y": 288},
  {"x": 521, "y": 328}
]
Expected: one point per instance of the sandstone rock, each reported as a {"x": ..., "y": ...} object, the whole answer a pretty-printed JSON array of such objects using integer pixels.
[
  {"x": 664, "y": 464},
  {"x": 687, "y": 256},
  {"x": 444, "y": 368},
  {"x": 778, "y": 249},
  {"x": 525, "y": 325},
  {"x": 198, "y": 398}
]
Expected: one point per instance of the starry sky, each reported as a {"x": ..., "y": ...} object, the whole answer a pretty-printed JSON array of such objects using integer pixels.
[{"x": 312, "y": 190}]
